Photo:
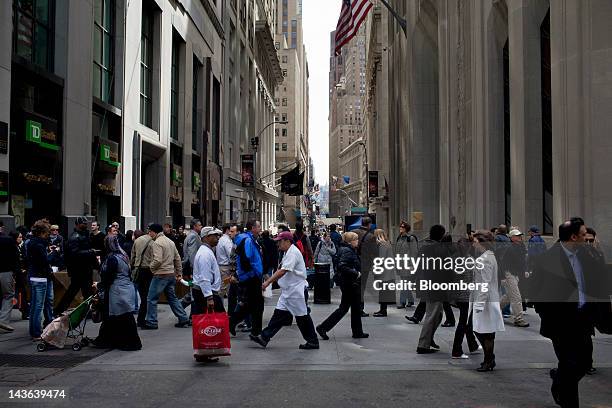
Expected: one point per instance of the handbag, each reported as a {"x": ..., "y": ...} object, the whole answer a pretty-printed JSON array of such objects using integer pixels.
[{"x": 211, "y": 337}]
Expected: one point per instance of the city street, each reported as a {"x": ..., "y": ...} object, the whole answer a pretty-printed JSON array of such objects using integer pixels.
[{"x": 383, "y": 370}]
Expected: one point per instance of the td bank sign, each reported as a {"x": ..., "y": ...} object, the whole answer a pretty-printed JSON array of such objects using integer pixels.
[{"x": 35, "y": 133}]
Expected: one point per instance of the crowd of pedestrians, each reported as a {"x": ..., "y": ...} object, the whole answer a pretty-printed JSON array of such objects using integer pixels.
[{"x": 234, "y": 265}]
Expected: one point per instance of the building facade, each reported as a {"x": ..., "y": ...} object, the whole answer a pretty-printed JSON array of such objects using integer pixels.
[
  {"x": 491, "y": 112},
  {"x": 292, "y": 99},
  {"x": 137, "y": 125},
  {"x": 347, "y": 88},
  {"x": 252, "y": 72}
]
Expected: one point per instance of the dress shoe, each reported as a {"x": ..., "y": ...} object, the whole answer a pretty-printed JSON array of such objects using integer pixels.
[
  {"x": 232, "y": 330},
  {"x": 364, "y": 314},
  {"x": 380, "y": 314},
  {"x": 412, "y": 319},
  {"x": 259, "y": 340},
  {"x": 184, "y": 324},
  {"x": 434, "y": 346},
  {"x": 6, "y": 327},
  {"x": 361, "y": 336},
  {"x": 448, "y": 324},
  {"x": 521, "y": 324},
  {"x": 401, "y": 306},
  {"x": 309, "y": 346},
  {"x": 147, "y": 327},
  {"x": 591, "y": 371},
  {"x": 422, "y": 350},
  {"x": 409, "y": 304},
  {"x": 486, "y": 367},
  {"x": 322, "y": 333}
]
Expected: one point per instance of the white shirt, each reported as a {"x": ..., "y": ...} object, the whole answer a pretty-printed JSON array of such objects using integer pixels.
[
  {"x": 206, "y": 274},
  {"x": 295, "y": 278},
  {"x": 224, "y": 250}
]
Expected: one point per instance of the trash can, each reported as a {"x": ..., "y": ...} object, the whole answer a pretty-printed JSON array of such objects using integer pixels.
[{"x": 322, "y": 293}]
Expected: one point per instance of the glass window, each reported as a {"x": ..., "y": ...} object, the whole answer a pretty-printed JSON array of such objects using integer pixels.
[
  {"x": 284, "y": 147},
  {"x": 146, "y": 67},
  {"x": 195, "y": 115},
  {"x": 284, "y": 132},
  {"x": 33, "y": 31},
  {"x": 103, "y": 49},
  {"x": 276, "y": 146}
]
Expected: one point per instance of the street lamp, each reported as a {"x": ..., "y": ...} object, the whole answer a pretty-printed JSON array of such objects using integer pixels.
[
  {"x": 255, "y": 145},
  {"x": 349, "y": 198}
]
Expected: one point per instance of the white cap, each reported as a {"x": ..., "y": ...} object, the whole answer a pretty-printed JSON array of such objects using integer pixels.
[
  {"x": 515, "y": 233},
  {"x": 206, "y": 231}
]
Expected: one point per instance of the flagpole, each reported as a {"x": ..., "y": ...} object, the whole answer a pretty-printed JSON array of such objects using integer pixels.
[{"x": 400, "y": 19}]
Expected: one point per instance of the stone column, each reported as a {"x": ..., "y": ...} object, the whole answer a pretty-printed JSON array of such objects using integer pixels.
[{"x": 6, "y": 35}]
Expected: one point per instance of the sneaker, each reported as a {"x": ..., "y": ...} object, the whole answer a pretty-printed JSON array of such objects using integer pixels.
[
  {"x": 460, "y": 356},
  {"x": 309, "y": 346},
  {"x": 506, "y": 316},
  {"x": 259, "y": 340},
  {"x": 364, "y": 314},
  {"x": 182, "y": 325},
  {"x": 521, "y": 324},
  {"x": 477, "y": 351},
  {"x": 246, "y": 329},
  {"x": 434, "y": 346},
  {"x": 6, "y": 327},
  {"x": 401, "y": 306},
  {"x": 422, "y": 350},
  {"x": 380, "y": 314}
]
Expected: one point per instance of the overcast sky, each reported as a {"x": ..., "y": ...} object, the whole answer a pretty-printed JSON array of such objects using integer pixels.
[{"x": 319, "y": 18}]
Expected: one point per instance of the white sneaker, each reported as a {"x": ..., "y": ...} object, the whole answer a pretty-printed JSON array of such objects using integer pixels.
[
  {"x": 6, "y": 327},
  {"x": 461, "y": 357},
  {"x": 477, "y": 351}
]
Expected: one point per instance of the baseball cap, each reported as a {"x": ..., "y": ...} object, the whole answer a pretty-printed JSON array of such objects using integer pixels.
[
  {"x": 284, "y": 235},
  {"x": 534, "y": 229},
  {"x": 515, "y": 233},
  {"x": 206, "y": 231},
  {"x": 81, "y": 220}
]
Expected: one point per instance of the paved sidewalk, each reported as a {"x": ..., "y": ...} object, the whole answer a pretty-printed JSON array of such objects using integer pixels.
[{"x": 383, "y": 370}]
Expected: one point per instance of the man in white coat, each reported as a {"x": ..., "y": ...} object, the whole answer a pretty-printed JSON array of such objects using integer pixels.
[{"x": 291, "y": 278}]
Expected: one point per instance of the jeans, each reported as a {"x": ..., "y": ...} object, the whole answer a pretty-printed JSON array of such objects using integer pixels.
[
  {"x": 143, "y": 283},
  {"x": 7, "y": 288},
  {"x": 166, "y": 285},
  {"x": 464, "y": 329},
  {"x": 41, "y": 300},
  {"x": 251, "y": 304}
]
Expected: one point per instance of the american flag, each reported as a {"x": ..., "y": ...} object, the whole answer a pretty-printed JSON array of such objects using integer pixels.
[{"x": 352, "y": 15}]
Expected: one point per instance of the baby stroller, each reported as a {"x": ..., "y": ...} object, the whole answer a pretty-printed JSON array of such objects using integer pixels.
[{"x": 70, "y": 325}]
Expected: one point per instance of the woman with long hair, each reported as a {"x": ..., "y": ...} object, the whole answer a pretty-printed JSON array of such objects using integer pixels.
[
  {"x": 349, "y": 279},
  {"x": 486, "y": 313},
  {"x": 385, "y": 250},
  {"x": 41, "y": 279},
  {"x": 118, "y": 329}
]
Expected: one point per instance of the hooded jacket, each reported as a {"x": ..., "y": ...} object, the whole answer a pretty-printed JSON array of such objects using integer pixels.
[{"x": 249, "y": 262}]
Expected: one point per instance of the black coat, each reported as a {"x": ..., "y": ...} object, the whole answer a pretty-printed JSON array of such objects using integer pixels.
[
  {"x": 554, "y": 291},
  {"x": 349, "y": 264},
  {"x": 80, "y": 256},
  {"x": 438, "y": 252},
  {"x": 9, "y": 255},
  {"x": 270, "y": 254},
  {"x": 36, "y": 258}
]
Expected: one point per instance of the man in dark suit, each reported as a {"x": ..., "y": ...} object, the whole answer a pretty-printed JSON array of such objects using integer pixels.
[
  {"x": 566, "y": 284},
  {"x": 367, "y": 250}
]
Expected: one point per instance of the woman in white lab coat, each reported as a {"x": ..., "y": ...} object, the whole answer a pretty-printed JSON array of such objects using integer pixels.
[{"x": 485, "y": 311}]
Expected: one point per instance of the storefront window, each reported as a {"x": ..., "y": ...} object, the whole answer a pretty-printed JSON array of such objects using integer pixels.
[
  {"x": 33, "y": 31},
  {"x": 103, "y": 49}
]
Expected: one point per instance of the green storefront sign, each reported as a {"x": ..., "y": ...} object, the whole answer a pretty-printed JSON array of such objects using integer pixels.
[
  {"x": 108, "y": 156},
  {"x": 35, "y": 134}
]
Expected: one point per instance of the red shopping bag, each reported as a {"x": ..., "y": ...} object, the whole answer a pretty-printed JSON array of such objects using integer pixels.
[{"x": 211, "y": 335}]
